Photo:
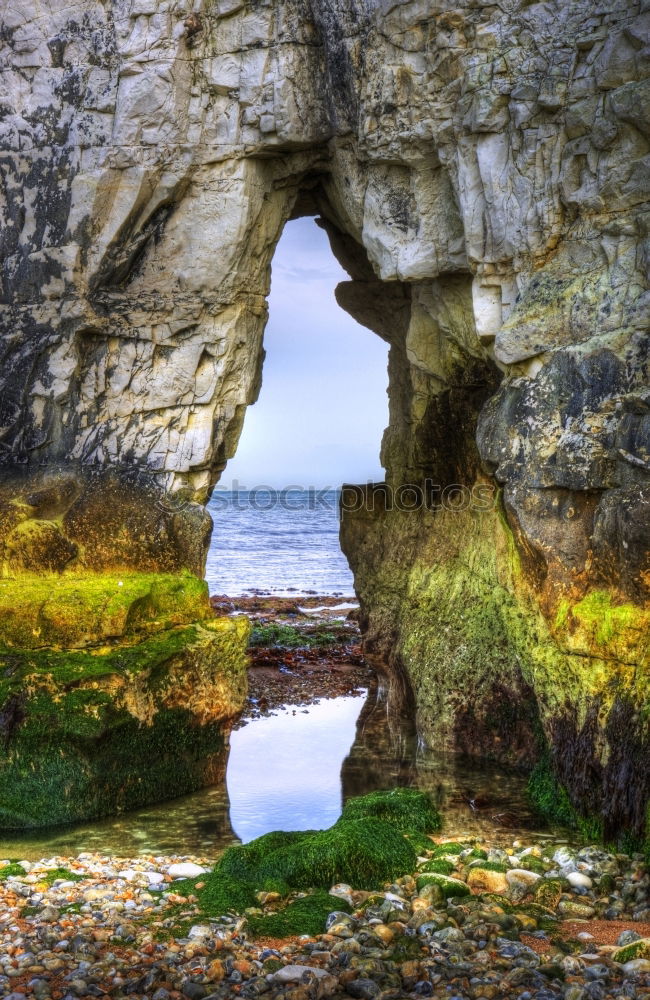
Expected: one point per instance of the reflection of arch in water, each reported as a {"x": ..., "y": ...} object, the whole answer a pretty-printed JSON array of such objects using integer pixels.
[{"x": 383, "y": 754}]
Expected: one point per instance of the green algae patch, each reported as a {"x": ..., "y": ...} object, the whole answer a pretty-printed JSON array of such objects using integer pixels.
[
  {"x": 407, "y": 808},
  {"x": 595, "y": 623},
  {"x": 69, "y": 612},
  {"x": 488, "y": 866},
  {"x": 307, "y": 915},
  {"x": 366, "y": 852},
  {"x": 289, "y": 637},
  {"x": 450, "y": 849},
  {"x": 551, "y": 800},
  {"x": 66, "y": 779},
  {"x": 438, "y": 866},
  {"x": 93, "y": 732},
  {"x": 52, "y": 875},
  {"x": 12, "y": 871},
  {"x": 450, "y": 887},
  {"x": 475, "y": 854},
  {"x": 637, "y": 949}
]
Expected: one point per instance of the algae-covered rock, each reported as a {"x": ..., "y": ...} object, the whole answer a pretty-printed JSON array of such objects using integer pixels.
[
  {"x": 634, "y": 950},
  {"x": 76, "y": 611},
  {"x": 96, "y": 729},
  {"x": 364, "y": 852},
  {"x": 572, "y": 910},
  {"x": 548, "y": 892},
  {"x": 409, "y": 809},
  {"x": 484, "y": 878},
  {"x": 438, "y": 866},
  {"x": 450, "y": 886}
]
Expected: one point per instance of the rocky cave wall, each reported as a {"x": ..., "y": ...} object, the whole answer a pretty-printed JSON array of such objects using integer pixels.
[{"x": 482, "y": 171}]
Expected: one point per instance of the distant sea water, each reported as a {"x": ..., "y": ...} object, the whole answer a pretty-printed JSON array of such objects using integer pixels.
[{"x": 277, "y": 542}]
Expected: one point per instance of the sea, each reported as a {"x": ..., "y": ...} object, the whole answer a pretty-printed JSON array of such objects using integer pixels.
[{"x": 280, "y": 542}]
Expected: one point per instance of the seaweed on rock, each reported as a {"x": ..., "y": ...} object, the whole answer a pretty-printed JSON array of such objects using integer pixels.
[{"x": 365, "y": 851}]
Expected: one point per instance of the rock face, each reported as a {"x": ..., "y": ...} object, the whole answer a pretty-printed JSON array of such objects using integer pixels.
[
  {"x": 115, "y": 693},
  {"x": 482, "y": 173}
]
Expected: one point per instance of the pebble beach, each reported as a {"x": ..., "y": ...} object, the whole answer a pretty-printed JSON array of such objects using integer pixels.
[{"x": 549, "y": 923}]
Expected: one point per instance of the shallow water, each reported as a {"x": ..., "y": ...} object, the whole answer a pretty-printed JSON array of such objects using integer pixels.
[
  {"x": 293, "y": 770},
  {"x": 277, "y": 543}
]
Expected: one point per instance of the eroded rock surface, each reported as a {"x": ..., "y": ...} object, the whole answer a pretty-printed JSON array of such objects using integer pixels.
[
  {"x": 482, "y": 172},
  {"x": 115, "y": 693}
]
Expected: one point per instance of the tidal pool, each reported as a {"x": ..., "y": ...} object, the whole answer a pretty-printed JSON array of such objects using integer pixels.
[{"x": 293, "y": 770}]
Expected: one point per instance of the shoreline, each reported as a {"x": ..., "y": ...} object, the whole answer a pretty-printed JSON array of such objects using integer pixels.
[
  {"x": 474, "y": 921},
  {"x": 100, "y": 928},
  {"x": 303, "y": 649}
]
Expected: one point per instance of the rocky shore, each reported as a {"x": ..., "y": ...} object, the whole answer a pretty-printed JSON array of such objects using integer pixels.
[
  {"x": 302, "y": 649},
  {"x": 470, "y": 922}
]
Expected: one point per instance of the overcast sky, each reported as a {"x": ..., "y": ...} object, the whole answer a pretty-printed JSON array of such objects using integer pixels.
[{"x": 323, "y": 405}]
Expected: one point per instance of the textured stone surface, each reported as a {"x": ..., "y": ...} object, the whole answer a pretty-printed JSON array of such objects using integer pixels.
[
  {"x": 115, "y": 697},
  {"x": 482, "y": 172}
]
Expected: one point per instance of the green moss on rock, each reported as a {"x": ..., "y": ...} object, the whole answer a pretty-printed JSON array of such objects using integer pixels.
[
  {"x": 451, "y": 849},
  {"x": 637, "y": 949},
  {"x": 548, "y": 892},
  {"x": 12, "y": 870},
  {"x": 551, "y": 800},
  {"x": 365, "y": 852},
  {"x": 437, "y": 865},
  {"x": 92, "y": 732},
  {"x": 409, "y": 809},
  {"x": 499, "y": 665},
  {"x": 76, "y": 611},
  {"x": 450, "y": 886},
  {"x": 488, "y": 866},
  {"x": 307, "y": 915}
]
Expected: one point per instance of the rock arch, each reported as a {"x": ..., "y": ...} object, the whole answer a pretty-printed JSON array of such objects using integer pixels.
[{"x": 481, "y": 174}]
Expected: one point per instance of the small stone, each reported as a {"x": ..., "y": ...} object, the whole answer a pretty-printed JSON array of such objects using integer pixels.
[
  {"x": 627, "y": 937},
  {"x": 579, "y": 881},
  {"x": 298, "y": 974},
  {"x": 637, "y": 967},
  {"x": 362, "y": 989},
  {"x": 578, "y": 911},
  {"x": 343, "y": 891},
  {"x": 521, "y": 878},
  {"x": 200, "y": 931},
  {"x": 186, "y": 869},
  {"x": 193, "y": 991},
  {"x": 639, "y": 948},
  {"x": 485, "y": 880}
]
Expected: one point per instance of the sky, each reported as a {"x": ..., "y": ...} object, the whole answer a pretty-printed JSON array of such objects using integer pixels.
[{"x": 323, "y": 407}]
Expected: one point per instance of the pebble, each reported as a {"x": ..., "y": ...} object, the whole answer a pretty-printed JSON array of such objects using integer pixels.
[
  {"x": 186, "y": 870},
  {"x": 579, "y": 880},
  {"x": 108, "y": 934}
]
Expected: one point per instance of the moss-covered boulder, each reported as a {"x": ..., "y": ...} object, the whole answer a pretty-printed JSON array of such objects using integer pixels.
[
  {"x": 364, "y": 851},
  {"x": 69, "y": 612},
  {"x": 119, "y": 697},
  {"x": 548, "y": 892},
  {"x": 407, "y": 808},
  {"x": 486, "y": 877},
  {"x": 450, "y": 886}
]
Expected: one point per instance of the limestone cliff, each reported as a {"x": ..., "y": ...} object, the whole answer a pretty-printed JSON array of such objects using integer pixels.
[{"x": 482, "y": 172}]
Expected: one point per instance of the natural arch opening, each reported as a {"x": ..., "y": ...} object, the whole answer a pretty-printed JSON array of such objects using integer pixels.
[{"x": 317, "y": 423}]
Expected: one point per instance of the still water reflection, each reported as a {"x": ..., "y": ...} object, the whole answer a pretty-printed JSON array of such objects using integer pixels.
[{"x": 292, "y": 771}]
